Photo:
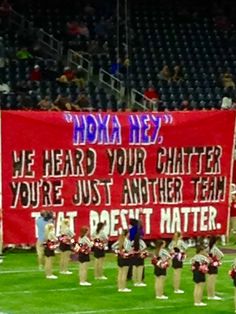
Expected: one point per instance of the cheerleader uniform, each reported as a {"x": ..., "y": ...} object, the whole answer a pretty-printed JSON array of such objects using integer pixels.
[
  {"x": 49, "y": 251},
  {"x": 178, "y": 249},
  {"x": 85, "y": 246},
  {"x": 161, "y": 263},
  {"x": 199, "y": 268},
  {"x": 50, "y": 245},
  {"x": 215, "y": 255},
  {"x": 124, "y": 255},
  {"x": 232, "y": 273},
  {"x": 66, "y": 240},
  {"x": 139, "y": 256},
  {"x": 99, "y": 244}
]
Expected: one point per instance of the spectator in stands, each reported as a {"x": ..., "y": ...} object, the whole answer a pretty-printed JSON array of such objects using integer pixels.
[
  {"x": 80, "y": 77},
  {"x": 63, "y": 103},
  {"x": 177, "y": 74},
  {"x": 226, "y": 101},
  {"x": 73, "y": 28},
  {"x": 4, "y": 88},
  {"x": 83, "y": 30},
  {"x": 165, "y": 74},
  {"x": 185, "y": 104},
  {"x": 116, "y": 67},
  {"x": 69, "y": 77},
  {"x": 36, "y": 73},
  {"x": 227, "y": 80},
  {"x": 45, "y": 104},
  {"x": 152, "y": 98},
  {"x": 83, "y": 102},
  {"x": 23, "y": 54}
]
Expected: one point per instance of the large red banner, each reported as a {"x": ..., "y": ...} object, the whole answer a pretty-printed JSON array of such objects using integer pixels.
[{"x": 170, "y": 170}]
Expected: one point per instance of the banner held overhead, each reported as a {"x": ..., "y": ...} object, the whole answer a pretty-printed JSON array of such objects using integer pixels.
[{"x": 171, "y": 170}]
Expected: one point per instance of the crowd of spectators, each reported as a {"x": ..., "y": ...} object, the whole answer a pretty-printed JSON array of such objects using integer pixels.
[{"x": 59, "y": 87}]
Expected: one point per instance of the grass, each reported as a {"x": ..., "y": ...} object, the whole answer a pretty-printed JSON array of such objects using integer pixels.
[{"x": 24, "y": 290}]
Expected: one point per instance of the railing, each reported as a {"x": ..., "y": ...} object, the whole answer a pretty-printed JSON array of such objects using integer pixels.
[
  {"x": 112, "y": 82},
  {"x": 52, "y": 45},
  {"x": 76, "y": 58},
  {"x": 140, "y": 100}
]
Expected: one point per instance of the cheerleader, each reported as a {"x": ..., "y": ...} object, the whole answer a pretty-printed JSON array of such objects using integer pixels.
[
  {"x": 100, "y": 239},
  {"x": 49, "y": 249},
  {"x": 215, "y": 255},
  {"x": 161, "y": 262},
  {"x": 139, "y": 254},
  {"x": 199, "y": 268},
  {"x": 177, "y": 249},
  {"x": 123, "y": 249},
  {"x": 66, "y": 240},
  {"x": 232, "y": 274},
  {"x": 84, "y": 248}
]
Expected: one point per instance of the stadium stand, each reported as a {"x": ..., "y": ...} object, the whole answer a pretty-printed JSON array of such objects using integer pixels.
[{"x": 186, "y": 52}]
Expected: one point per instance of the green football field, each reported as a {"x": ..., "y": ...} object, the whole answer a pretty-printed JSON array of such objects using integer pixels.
[{"x": 24, "y": 290}]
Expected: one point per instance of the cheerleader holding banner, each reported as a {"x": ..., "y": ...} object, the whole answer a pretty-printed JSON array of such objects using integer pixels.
[
  {"x": 66, "y": 241},
  {"x": 49, "y": 249},
  {"x": 161, "y": 262},
  {"x": 123, "y": 249},
  {"x": 177, "y": 249},
  {"x": 200, "y": 263},
  {"x": 100, "y": 240},
  {"x": 215, "y": 256}
]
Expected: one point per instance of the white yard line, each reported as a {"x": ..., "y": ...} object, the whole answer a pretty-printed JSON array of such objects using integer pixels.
[
  {"x": 75, "y": 268},
  {"x": 120, "y": 310}
]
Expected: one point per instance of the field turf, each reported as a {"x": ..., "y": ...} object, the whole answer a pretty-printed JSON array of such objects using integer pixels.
[{"x": 24, "y": 290}]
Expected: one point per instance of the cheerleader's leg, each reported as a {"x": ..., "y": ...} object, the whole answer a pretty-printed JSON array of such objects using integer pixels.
[
  {"x": 82, "y": 272},
  {"x": 125, "y": 270},
  {"x": 177, "y": 276},
  {"x": 100, "y": 266},
  {"x": 159, "y": 285},
  {"x": 119, "y": 278},
  {"x": 96, "y": 268},
  {"x": 139, "y": 274},
  {"x": 48, "y": 265},
  {"x": 211, "y": 282},
  {"x": 202, "y": 285},
  {"x": 62, "y": 261},
  {"x": 67, "y": 259},
  {"x": 196, "y": 293},
  {"x": 135, "y": 274}
]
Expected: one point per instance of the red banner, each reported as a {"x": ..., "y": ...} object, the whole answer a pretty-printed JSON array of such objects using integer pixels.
[{"x": 172, "y": 171}]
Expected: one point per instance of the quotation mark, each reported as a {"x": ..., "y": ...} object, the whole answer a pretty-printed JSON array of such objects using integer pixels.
[{"x": 167, "y": 118}]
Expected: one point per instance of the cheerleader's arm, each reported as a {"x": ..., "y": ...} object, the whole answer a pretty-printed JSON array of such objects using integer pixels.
[
  {"x": 115, "y": 246},
  {"x": 217, "y": 252},
  {"x": 184, "y": 245},
  {"x": 142, "y": 244},
  {"x": 127, "y": 245},
  {"x": 52, "y": 236}
]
